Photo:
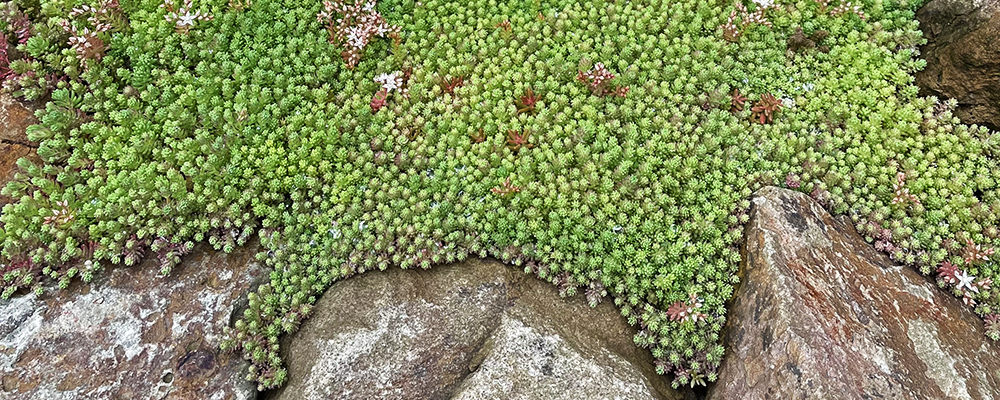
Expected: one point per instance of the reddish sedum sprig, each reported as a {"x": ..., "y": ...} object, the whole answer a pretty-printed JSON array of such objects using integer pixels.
[
  {"x": 974, "y": 253},
  {"x": 684, "y": 311},
  {"x": 737, "y": 101},
  {"x": 506, "y": 31},
  {"x": 379, "y": 100},
  {"x": 902, "y": 194},
  {"x": 793, "y": 181},
  {"x": 477, "y": 137},
  {"x": 18, "y": 23},
  {"x": 731, "y": 30},
  {"x": 992, "y": 326},
  {"x": 169, "y": 254},
  {"x": 948, "y": 273},
  {"x": 448, "y": 85},
  {"x": 354, "y": 26},
  {"x": 85, "y": 41},
  {"x": 5, "y": 70},
  {"x": 598, "y": 80},
  {"x": 506, "y": 188},
  {"x": 518, "y": 140},
  {"x": 765, "y": 109},
  {"x": 595, "y": 293},
  {"x": 526, "y": 103}
]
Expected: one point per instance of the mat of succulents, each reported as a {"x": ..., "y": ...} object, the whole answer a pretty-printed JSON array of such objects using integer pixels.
[{"x": 608, "y": 147}]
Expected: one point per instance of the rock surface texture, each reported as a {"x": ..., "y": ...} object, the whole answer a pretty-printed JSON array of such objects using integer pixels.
[
  {"x": 822, "y": 315},
  {"x": 963, "y": 57},
  {"x": 14, "y": 119},
  {"x": 131, "y": 335},
  {"x": 472, "y": 330}
]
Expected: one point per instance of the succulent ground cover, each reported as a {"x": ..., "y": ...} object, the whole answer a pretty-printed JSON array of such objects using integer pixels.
[{"x": 609, "y": 147}]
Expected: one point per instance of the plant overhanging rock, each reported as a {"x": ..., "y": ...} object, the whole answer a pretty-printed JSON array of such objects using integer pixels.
[{"x": 606, "y": 155}]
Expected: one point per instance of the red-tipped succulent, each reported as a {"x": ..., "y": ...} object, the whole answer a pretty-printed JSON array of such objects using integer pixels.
[
  {"x": 526, "y": 103},
  {"x": 599, "y": 79},
  {"x": 506, "y": 188},
  {"x": 478, "y": 137},
  {"x": 378, "y": 101},
  {"x": 765, "y": 109},
  {"x": 737, "y": 101},
  {"x": 449, "y": 85},
  {"x": 518, "y": 140}
]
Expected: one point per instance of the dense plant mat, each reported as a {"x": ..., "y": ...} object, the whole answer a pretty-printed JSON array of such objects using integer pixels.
[{"x": 609, "y": 147}]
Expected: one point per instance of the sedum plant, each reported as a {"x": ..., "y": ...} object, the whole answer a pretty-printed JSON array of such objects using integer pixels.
[{"x": 338, "y": 134}]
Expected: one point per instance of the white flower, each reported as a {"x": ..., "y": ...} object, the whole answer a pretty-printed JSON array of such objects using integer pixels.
[
  {"x": 965, "y": 280},
  {"x": 356, "y": 37},
  {"x": 187, "y": 19},
  {"x": 390, "y": 82},
  {"x": 381, "y": 30}
]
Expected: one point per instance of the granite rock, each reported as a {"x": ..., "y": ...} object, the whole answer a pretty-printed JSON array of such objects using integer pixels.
[
  {"x": 822, "y": 315},
  {"x": 131, "y": 334},
  {"x": 471, "y": 330}
]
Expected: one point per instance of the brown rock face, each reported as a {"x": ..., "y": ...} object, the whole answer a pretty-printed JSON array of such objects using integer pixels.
[
  {"x": 132, "y": 334},
  {"x": 823, "y": 315},
  {"x": 963, "y": 57},
  {"x": 14, "y": 119},
  {"x": 471, "y": 330}
]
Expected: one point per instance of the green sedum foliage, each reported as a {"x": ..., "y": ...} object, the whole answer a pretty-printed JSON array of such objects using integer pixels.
[{"x": 250, "y": 123}]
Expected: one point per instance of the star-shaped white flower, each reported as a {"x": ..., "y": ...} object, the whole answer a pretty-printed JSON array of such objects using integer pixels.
[
  {"x": 186, "y": 19},
  {"x": 356, "y": 37},
  {"x": 965, "y": 280},
  {"x": 390, "y": 82}
]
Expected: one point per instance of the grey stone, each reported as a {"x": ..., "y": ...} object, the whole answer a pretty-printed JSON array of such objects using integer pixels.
[
  {"x": 472, "y": 330},
  {"x": 131, "y": 334}
]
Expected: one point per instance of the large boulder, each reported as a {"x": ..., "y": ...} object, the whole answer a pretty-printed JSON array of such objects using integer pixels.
[
  {"x": 472, "y": 330},
  {"x": 822, "y": 315},
  {"x": 131, "y": 334},
  {"x": 963, "y": 57}
]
